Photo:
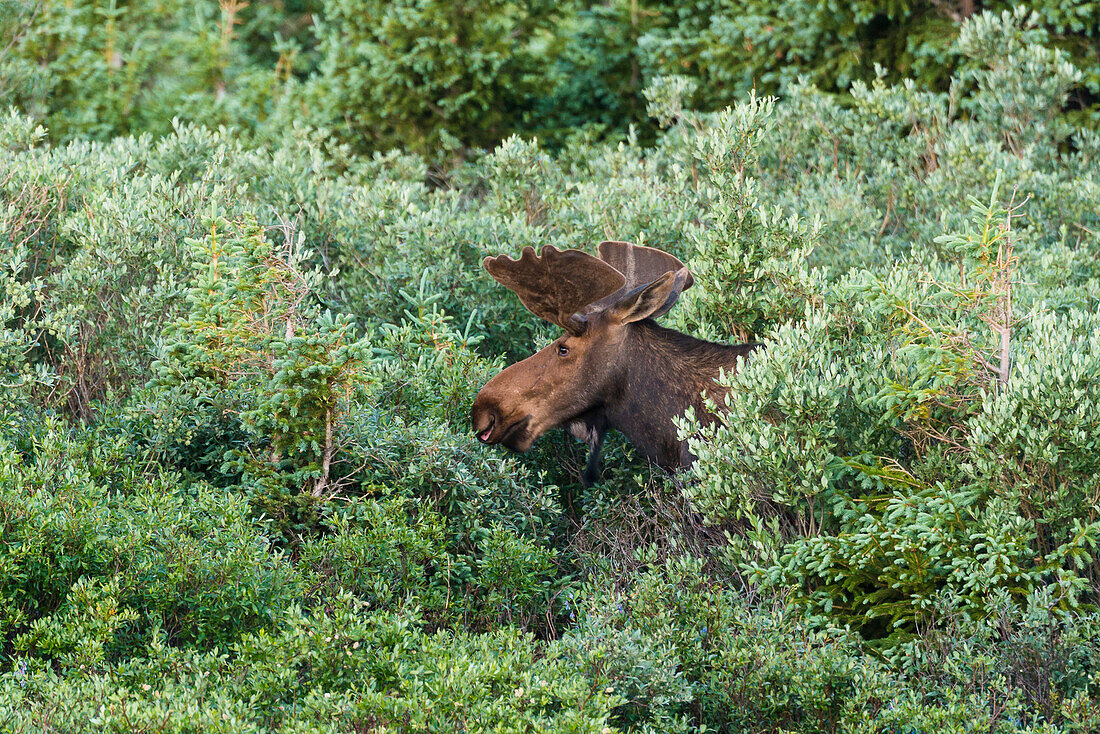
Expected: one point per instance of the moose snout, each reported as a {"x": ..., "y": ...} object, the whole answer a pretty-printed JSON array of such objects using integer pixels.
[
  {"x": 493, "y": 423},
  {"x": 505, "y": 411},
  {"x": 484, "y": 419}
]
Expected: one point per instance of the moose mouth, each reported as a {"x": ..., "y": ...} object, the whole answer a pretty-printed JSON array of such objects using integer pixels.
[
  {"x": 485, "y": 436},
  {"x": 508, "y": 436}
]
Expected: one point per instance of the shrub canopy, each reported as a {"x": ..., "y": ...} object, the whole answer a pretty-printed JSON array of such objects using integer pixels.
[{"x": 245, "y": 319}]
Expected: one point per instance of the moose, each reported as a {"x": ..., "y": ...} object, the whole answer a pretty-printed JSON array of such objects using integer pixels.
[{"x": 614, "y": 367}]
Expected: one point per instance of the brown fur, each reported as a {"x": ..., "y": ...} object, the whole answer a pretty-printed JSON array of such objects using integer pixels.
[
  {"x": 666, "y": 373},
  {"x": 635, "y": 383},
  {"x": 614, "y": 367}
]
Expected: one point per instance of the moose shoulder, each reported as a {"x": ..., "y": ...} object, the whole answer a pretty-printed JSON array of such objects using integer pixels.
[{"x": 614, "y": 367}]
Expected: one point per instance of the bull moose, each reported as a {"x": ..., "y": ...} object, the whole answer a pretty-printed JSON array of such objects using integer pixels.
[{"x": 614, "y": 367}]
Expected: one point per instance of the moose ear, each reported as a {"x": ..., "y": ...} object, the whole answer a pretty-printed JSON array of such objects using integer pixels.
[{"x": 651, "y": 300}]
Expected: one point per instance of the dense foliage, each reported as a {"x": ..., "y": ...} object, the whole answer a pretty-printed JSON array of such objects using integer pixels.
[
  {"x": 238, "y": 490},
  {"x": 445, "y": 79}
]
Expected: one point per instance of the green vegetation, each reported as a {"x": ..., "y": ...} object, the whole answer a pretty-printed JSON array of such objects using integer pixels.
[
  {"x": 447, "y": 79},
  {"x": 245, "y": 318}
]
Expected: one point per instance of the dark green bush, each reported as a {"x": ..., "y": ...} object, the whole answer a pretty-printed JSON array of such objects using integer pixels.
[
  {"x": 442, "y": 81},
  {"x": 350, "y": 670},
  {"x": 428, "y": 76},
  {"x": 86, "y": 521},
  {"x": 379, "y": 553}
]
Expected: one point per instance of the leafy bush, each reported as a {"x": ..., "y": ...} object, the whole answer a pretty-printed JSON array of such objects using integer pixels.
[
  {"x": 872, "y": 457},
  {"x": 86, "y": 521},
  {"x": 423, "y": 77},
  {"x": 346, "y": 671},
  {"x": 427, "y": 76},
  {"x": 253, "y": 346},
  {"x": 731, "y": 49},
  {"x": 238, "y": 487},
  {"x": 380, "y": 554}
]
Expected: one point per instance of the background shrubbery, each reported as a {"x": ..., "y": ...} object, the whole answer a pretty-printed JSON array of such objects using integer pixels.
[
  {"x": 445, "y": 80},
  {"x": 245, "y": 318}
]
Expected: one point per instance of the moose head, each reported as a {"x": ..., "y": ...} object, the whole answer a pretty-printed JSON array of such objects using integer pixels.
[{"x": 614, "y": 367}]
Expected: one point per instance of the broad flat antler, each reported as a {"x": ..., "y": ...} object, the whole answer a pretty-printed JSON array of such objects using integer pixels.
[
  {"x": 556, "y": 285},
  {"x": 562, "y": 286},
  {"x": 639, "y": 266}
]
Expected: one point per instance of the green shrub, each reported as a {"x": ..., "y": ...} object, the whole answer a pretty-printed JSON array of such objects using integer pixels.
[
  {"x": 346, "y": 670},
  {"x": 380, "y": 552},
  {"x": 873, "y": 456},
  {"x": 643, "y": 672},
  {"x": 238, "y": 487},
  {"x": 732, "y": 49},
  {"x": 87, "y": 521},
  {"x": 253, "y": 345},
  {"x": 426, "y": 76}
]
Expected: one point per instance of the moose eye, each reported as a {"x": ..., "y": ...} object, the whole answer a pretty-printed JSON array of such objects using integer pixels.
[{"x": 562, "y": 350}]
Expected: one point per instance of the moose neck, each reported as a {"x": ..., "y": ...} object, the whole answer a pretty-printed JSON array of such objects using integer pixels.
[{"x": 664, "y": 372}]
